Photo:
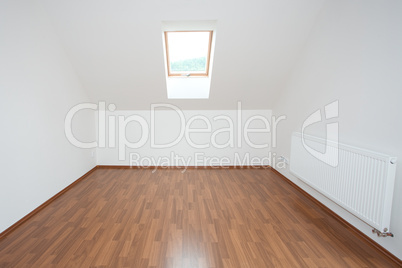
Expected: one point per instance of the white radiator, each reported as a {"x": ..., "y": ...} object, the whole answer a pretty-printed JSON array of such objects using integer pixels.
[{"x": 358, "y": 180}]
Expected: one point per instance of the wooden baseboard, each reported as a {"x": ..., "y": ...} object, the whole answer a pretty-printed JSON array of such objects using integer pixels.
[
  {"x": 49, "y": 201},
  {"x": 347, "y": 225},
  {"x": 179, "y": 167}
]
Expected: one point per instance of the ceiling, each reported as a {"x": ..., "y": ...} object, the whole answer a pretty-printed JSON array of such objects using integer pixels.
[{"x": 116, "y": 47}]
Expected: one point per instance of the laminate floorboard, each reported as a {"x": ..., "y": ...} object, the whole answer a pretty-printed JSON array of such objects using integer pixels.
[{"x": 199, "y": 218}]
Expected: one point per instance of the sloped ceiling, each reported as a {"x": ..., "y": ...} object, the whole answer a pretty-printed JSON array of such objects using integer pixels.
[{"x": 116, "y": 47}]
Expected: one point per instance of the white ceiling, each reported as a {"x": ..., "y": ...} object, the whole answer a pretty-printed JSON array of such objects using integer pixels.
[{"x": 116, "y": 48}]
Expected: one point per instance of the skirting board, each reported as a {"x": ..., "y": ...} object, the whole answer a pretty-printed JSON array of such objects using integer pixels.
[
  {"x": 183, "y": 167},
  {"x": 48, "y": 202},
  {"x": 367, "y": 240}
]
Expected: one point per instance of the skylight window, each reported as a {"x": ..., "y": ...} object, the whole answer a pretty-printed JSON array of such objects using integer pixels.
[{"x": 188, "y": 52}]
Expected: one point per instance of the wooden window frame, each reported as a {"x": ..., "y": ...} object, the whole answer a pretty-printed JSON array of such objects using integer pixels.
[{"x": 184, "y": 74}]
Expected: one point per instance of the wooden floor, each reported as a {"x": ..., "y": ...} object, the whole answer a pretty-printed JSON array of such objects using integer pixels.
[{"x": 199, "y": 218}]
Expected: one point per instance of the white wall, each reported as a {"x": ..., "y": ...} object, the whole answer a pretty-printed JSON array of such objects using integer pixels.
[
  {"x": 352, "y": 55},
  {"x": 168, "y": 127},
  {"x": 37, "y": 88}
]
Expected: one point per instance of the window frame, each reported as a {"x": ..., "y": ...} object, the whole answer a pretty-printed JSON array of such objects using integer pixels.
[{"x": 185, "y": 74}]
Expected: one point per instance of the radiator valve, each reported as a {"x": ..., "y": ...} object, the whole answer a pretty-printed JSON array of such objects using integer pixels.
[{"x": 382, "y": 234}]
